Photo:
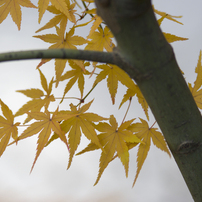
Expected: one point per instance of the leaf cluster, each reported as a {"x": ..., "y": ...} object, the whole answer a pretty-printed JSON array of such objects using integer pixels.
[{"x": 69, "y": 124}]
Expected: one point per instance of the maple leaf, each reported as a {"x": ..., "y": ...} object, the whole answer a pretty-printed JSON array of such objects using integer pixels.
[
  {"x": 60, "y": 18},
  {"x": 169, "y": 17},
  {"x": 76, "y": 74},
  {"x": 44, "y": 126},
  {"x": 13, "y": 7},
  {"x": 36, "y": 94},
  {"x": 114, "y": 140},
  {"x": 101, "y": 39},
  {"x": 196, "y": 89},
  {"x": 97, "y": 22},
  {"x": 80, "y": 121},
  {"x": 7, "y": 127},
  {"x": 59, "y": 41},
  {"x": 60, "y": 5},
  {"x": 89, "y": 1},
  {"x": 132, "y": 92},
  {"x": 172, "y": 38},
  {"x": 146, "y": 134},
  {"x": 114, "y": 74}
]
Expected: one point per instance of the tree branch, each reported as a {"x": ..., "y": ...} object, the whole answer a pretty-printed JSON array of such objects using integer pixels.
[{"x": 96, "y": 56}]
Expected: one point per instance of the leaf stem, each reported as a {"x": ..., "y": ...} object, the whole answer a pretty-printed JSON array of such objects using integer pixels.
[
  {"x": 153, "y": 125},
  {"x": 127, "y": 110},
  {"x": 83, "y": 99},
  {"x": 59, "y": 98}
]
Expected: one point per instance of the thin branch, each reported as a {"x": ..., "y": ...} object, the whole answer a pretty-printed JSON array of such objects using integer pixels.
[{"x": 96, "y": 56}]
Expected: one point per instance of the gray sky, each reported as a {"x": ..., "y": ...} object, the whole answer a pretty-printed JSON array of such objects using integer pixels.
[{"x": 159, "y": 179}]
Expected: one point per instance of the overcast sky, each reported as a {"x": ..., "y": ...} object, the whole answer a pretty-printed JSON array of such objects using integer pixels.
[{"x": 159, "y": 180}]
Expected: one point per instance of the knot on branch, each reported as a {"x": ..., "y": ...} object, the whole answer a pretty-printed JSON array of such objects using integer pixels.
[{"x": 188, "y": 147}]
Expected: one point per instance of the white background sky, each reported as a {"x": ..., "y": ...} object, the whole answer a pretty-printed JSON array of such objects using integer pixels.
[{"x": 159, "y": 179}]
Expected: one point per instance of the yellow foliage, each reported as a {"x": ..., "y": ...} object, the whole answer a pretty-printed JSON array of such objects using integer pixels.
[
  {"x": 113, "y": 74},
  {"x": 39, "y": 98},
  {"x": 80, "y": 121},
  {"x": 13, "y": 7},
  {"x": 146, "y": 134},
  {"x": 45, "y": 125},
  {"x": 196, "y": 89},
  {"x": 8, "y": 128},
  {"x": 114, "y": 139},
  {"x": 69, "y": 125},
  {"x": 101, "y": 39}
]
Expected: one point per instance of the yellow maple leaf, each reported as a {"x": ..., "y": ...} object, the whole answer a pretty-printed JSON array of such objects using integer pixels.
[
  {"x": 113, "y": 74},
  {"x": 59, "y": 41},
  {"x": 60, "y": 18},
  {"x": 60, "y": 5},
  {"x": 146, "y": 134},
  {"x": 169, "y": 17},
  {"x": 13, "y": 7},
  {"x": 114, "y": 140},
  {"x": 36, "y": 94},
  {"x": 196, "y": 89},
  {"x": 172, "y": 38},
  {"x": 91, "y": 11},
  {"x": 132, "y": 91},
  {"x": 8, "y": 128},
  {"x": 96, "y": 24},
  {"x": 44, "y": 126},
  {"x": 81, "y": 121},
  {"x": 76, "y": 75},
  {"x": 89, "y": 1},
  {"x": 101, "y": 39}
]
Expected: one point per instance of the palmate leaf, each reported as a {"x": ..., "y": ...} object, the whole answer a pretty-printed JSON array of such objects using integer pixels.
[
  {"x": 8, "y": 128},
  {"x": 39, "y": 98},
  {"x": 136, "y": 91},
  {"x": 101, "y": 39},
  {"x": 74, "y": 75},
  {"x": 58, "y": 4},
  {"x": 80, "y": 121},
  {"x": 44, "y": 126},
  {"x": 170, "y": 37},
  {"x": 59, "y": 41},
  {"x": 146, "y": 134},
  {"x": 97, "y": 22},
  {"x": 166, "y": 15},
  {"x": 13, "y": 7},
  {"x": 60, "y": 17},
  {"x": 114, "y": 139},
  {"x": 196, "y": 89},
  {"x": 113, "y": 74}
]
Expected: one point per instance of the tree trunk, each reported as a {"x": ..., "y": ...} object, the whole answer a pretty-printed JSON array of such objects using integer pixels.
[{"x": 151, "y": 63}]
